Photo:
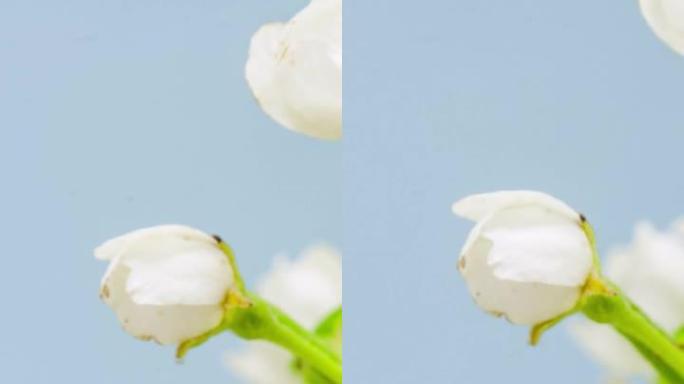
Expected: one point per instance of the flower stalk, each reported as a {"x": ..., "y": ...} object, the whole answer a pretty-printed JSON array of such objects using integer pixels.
[
  {"x": 610, "y": 306},
  {"x": 603, "y": 302},
  {"x": 253, "y": 318},
  {"x": 263, "y": 321}
]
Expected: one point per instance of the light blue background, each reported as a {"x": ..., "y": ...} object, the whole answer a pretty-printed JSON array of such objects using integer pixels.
[
  {"x": 117, "y": 115},
  {"x": 120, "y": 114},
  {"x": 447, "y": 98}
]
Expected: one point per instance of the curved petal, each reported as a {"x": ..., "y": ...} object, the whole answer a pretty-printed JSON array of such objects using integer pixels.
[
  {"x": 533, "y": 244},
  {"x": 295, "y": 70},
  {"x": 170, "y": 265},
  {"x": 480, "y": 206},
  {"x": 110, "y": 249},
  {"x": 265, "y": 47},
  {"x": 520, "y": 303},
  {"x": 666, "y": 19},
  {"x": 197, "y": 276},
  {"x": 163, "y": 324},
  {"x": 469, "y": 247}
]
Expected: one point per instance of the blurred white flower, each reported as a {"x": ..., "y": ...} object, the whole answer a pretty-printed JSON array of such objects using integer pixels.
[
  {"x": 308, "y": 289},
  {"x": 295, "y": 70},
  {"x": 528, "y": 256},
  {"x": 649, "y": 271},
  {"x": 666, "y": 18},
  {"x": 611, "y": 349},
  {"x": 165, "y": 283}
]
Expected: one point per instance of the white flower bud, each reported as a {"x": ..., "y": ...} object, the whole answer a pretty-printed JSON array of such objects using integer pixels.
[
  {"x": 308, "y": 289},
  {"x": 528, "y": 256},
  {"x": 165, "y": 283},
  {"x": 666, "y": 18},
  {"x": 295, "y": 70},
  {"x": 649, "y": 271}
]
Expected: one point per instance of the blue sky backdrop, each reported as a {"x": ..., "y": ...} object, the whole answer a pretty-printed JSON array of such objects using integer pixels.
[{"x": 121, "y": 114}]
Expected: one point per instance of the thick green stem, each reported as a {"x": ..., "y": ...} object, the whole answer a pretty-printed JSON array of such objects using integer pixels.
[
  {"x": 261, "y": 320},
  {"x": 665, "y": 374},
  {"x": 614, "y": 308},
  {"x": 304, "y": 344}
]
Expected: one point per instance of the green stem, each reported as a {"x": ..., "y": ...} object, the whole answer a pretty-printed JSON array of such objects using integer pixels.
[
  {"x": 307, "y": 346},
  {"x": 252, "y": 318},
  {"x": 262, "y": 320},
  {"x": 666, "y": 375},
  {"x": 612, "y": 307}
]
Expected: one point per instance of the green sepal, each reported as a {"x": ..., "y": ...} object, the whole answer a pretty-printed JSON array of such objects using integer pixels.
[
  {"x": 679, "y": 337},
  {"x": 228, "y": 251},
  {"x": 234, "y": 303},
  {"x": 330, "y": 328},
  {"x": 538, "y": 330},
  {"x": 593, "y": 286}
]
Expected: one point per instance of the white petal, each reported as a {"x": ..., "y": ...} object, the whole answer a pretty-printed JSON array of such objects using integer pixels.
[
  {"x": 474, "y": 236},
  {"x": 165, "y": 283},
  {"x": 163, "y": 324},
  {"x": 520, "y": 303},
  {"x": 170, "y": 265},
  {"x": 666, "y": 18},
  {"x": 533, "y": 244},
  {"x": 112, "y": 248},
  {"x": 194, "y": 276},
  {"x": 478, "y": 207},
  {"x": 295, "y": 70}
]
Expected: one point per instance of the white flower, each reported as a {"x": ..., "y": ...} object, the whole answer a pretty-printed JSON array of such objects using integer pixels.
[
  {"x": 308, "y": 289},
  {"x": 295, "y": 70},
  {"x": 528, "y": 256},
  {"x": 165, "y": 283},
  {"x": 649, "y": 271},
  {"x": 666, "y": 18}
]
